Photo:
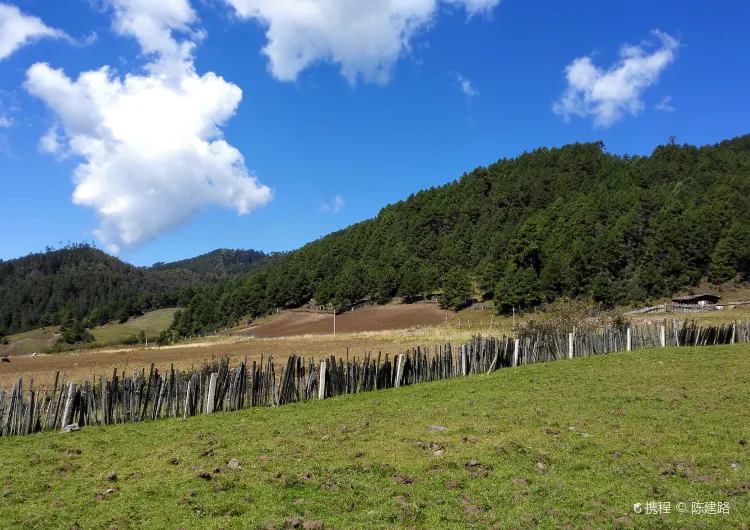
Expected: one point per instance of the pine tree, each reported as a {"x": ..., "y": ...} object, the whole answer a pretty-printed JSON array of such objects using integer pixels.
[
  {"x": 517, "y": 290},
  {"x": 456, "y": 289},
  {"x": 723, "y": 263}
]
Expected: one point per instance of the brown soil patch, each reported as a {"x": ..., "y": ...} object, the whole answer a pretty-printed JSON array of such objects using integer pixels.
[
  {"x": 317, "y": 342},
  {"x": 376, "y": 318},
  {"x": 84, "y": 365}
]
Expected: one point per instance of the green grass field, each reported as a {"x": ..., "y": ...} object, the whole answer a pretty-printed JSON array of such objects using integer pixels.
[
  {"x": 571, "y": 444},
  {"x": 152, "y": 323},
  {"x": 30, "y": 341},
  {"x": 37, "y": 340}
]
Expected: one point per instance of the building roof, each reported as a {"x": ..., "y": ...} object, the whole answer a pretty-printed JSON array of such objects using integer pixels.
[{"x": 695, "y": 298}]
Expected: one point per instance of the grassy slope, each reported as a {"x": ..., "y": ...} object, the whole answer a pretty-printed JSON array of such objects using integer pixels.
[
  {"x": 664, "y": 425},
  {"x": 152, "y": 323},
  {"x": 30, "y": 341}
]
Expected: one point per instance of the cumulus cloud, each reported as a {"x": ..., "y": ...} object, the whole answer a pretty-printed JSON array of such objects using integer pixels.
[
  {"x": 151, "y": 146},
  {"x": 664, "y": 104},
  {"x": 607, "y": 95},
  {"x": 17, "y": 30},
  {"x": 334, "y": 206},
  {"x": 365, "y": 38},
  {"x": 466, "y": 87}
]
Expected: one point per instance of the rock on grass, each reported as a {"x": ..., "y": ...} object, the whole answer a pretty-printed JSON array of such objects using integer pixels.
[{"x": 436, "y": 428}]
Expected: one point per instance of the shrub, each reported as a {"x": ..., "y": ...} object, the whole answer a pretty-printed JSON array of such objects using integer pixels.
[{"x": 565, "y": 314}]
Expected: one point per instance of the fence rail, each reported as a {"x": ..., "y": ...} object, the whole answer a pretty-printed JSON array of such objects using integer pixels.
[
  {"x": 217, "y": 387},
  {"x": 693, "y": 308},
  {"x": 327, "y": 308},
  {"x": 651, "y": 309},
  {"x": 249, "y": 333},
  {"x": 674, "y": 307}
]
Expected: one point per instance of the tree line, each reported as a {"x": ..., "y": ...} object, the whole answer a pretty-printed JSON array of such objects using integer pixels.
[
  {"x": 80, "y": 287},
  {"x": 574, "y": 221}
]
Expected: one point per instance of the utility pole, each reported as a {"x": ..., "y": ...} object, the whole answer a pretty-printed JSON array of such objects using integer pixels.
[{"x": 334, "y": 321}]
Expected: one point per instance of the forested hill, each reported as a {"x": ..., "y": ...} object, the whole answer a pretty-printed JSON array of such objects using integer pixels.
[
  {"x": 81, "y": 283},
  {"x": 220, "y": 261},
  {"x": 573, "y": 221}
]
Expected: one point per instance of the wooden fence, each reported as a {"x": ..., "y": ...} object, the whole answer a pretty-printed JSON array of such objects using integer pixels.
[
  {"x": 692, "y": 308},
  {"x": 329, "y": 308},
  {"x": 218, "y": 387},
  {"x": 674, "y": 307},
  {"x": 662, "y": 308}
]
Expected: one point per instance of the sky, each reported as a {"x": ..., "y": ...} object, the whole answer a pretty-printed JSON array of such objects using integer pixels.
[{"x": 164, "y": 130}]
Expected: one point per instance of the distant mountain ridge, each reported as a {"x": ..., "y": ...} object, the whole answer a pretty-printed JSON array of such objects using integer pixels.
[
  {"x": 219, "y": 261},
  {"x": 82, "y": 283}
]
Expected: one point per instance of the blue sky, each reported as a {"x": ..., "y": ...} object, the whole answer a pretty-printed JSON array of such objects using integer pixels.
[{"x": 267, "y": 124}]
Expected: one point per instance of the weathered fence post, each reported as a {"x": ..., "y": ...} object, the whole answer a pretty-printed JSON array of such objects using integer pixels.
[
  {"x": 188, "y": 386},
  {"x": 68, "y": 411},
  {"x": 464, "y": 360},
  {"x": 322, "y": 383},
  {"x": 663, "y": 331},
  {"x": 515, "y": 352},
  {"x": 211, "y": 393},
  {"x": 629, "y": 345},
  {"x": 400, "y": 361},
  {"x": 571, "y": 339}
]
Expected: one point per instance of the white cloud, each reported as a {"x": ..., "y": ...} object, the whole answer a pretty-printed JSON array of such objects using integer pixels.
[
  {"x": 152, "y": 23},
  {"x": 334, "y": 206},
  {"x": 92, "y": 38},
  {"x": 607, "y": 95},
  {"x": 151, "y": 145},
  {"x": 365, "y": 38},
  {"x": 17, "y": 30},
  {"x": 664, "y": 104},
  {"x": 466, "y": 87},
  {"x": 8, "y": 108},
  {"x": 52, "y": 143}
]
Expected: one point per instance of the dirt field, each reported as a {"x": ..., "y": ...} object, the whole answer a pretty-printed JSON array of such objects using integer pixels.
[
  {"x": 305, "y": 333},
  {"x": 85, "y": 365},
  {"x": 376, "y": 318}
]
